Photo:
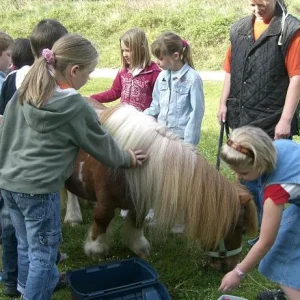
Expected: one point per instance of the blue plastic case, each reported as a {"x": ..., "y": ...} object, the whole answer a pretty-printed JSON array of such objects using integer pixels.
[{"x": 131, "y": 279}]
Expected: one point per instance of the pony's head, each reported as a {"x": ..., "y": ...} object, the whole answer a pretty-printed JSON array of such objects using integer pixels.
[{"x": 227, "y": 254}]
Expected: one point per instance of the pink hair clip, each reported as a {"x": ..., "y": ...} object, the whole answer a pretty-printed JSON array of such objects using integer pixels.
[
  {"x": 184, "y": 43},
  {"x": 48, "y": 55}
]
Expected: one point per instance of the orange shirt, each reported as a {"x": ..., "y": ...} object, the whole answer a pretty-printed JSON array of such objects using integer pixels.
[
  {"x": 63, "y": 86},
  {"x": 292, "y": 59}
]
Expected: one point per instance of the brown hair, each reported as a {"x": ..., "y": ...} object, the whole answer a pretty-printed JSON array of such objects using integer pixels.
[
  {"x": 135, "y": 39},
  {"x": 5, "y": 41},
  {"x": 40, "y": 82},
  {"x": 21, "y": 53},
  {"x": 168, "y": 43},
  {"x": 45, "y": 34}
]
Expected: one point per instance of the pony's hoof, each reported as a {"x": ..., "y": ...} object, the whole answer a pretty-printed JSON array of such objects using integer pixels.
[
  {"x": 97, "y": 248},
  {"x": 72, "y": 223},
  {"x": 141, "y": 247}
]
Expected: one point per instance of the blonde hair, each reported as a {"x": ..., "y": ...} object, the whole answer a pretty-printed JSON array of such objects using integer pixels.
[
  {"x": 135, "y": 39},
  {"x": 193, "y": 193},
  {"x": 258, "y": 144},
  {"x": 168, "y": 43},
  {"x": 40, "y": 82}
]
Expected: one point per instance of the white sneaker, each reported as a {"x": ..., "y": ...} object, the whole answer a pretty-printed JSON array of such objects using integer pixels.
[
  {"x": 150, "y": 215},
  {"x": 123, "y": 213}
]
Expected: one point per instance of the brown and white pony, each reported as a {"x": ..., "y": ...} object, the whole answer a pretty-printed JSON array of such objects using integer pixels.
[{"x": 177, "y": 182}]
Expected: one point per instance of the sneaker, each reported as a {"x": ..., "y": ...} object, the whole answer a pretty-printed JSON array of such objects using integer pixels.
[
  {"x": 150, "y": 215},
  {"x": 63, "y": 256},
  {"x": 62, "y": 282},
  {"x": 11, "y": 291},
  {"x": 123, "y": 213},
  {"x": 272, "y": 295}
]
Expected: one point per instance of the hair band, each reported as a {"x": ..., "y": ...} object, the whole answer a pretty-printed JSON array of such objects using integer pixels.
[
  {"x": 184, "y": 43},
  {"x": 239, "y": 148},
  {"x": 48, "y": 55}
]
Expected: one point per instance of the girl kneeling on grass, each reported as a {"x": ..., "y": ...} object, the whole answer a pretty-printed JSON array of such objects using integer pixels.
[
  {"x": 43, "y": 127},
  {"x": 250, "y": 153}
]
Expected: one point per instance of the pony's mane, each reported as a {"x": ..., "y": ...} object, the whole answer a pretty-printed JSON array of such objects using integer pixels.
[{"x": 177, "y": 182}]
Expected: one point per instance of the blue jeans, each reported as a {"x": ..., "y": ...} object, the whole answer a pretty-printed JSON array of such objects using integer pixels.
[
  {"x": 36, "y": 219},
  {"x": 255, "y": 188},
  {"x": 9, "y": 248}
]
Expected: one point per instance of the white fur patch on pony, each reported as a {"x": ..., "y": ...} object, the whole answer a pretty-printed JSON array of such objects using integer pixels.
[
  {"x": 80, "y": 170},
  {"x": 98, "y": 247},
  {"x": 135, "y": 240},
  {"x": 73, "y": 212}
]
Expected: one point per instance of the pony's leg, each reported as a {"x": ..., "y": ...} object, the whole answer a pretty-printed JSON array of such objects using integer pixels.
[
  {"x": 134, "y": 237},
  {"x": 73, "y": 211},
  {"x": 96, "y": 242}
]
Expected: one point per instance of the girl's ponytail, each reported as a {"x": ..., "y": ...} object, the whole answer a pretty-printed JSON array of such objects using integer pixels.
[
  {"x": 38, "y": 84},
  {"x": 187, "y": 54},
  {"x": 168, "y": 43}
]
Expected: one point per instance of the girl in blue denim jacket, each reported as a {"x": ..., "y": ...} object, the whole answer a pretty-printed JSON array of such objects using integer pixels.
[
  {"x": 178, "y": 100},
  {"x": 251, "y": 153}
]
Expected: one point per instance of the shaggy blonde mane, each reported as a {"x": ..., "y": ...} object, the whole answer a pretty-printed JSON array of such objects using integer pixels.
[{"x": 177, "y": 182}]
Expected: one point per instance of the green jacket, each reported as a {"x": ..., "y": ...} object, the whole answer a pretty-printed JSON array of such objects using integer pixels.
[{"x": 38, "y": 147}]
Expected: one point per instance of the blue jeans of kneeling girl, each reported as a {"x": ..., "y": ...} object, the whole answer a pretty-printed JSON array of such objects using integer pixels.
[{"x": 36, "y": 219}]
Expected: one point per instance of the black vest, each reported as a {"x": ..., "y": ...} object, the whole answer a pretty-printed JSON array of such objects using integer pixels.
[{"x": 259, "y": 78}]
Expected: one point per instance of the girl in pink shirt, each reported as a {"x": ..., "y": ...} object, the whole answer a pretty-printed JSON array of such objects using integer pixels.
[{"x": 135, "y": 81}]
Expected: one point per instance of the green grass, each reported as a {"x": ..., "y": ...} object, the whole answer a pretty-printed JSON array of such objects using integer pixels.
[
  {"x": 204, "y": 23},
  {"x": 181, "y": 266}
]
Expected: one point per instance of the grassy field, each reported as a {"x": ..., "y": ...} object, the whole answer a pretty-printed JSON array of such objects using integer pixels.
[
  {"x": 205, "y": 24},
  {"x": 181, "y": 267}
]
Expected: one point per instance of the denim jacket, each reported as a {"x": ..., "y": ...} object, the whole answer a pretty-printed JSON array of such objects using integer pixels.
[
  {"x": 287, "y": 170},
  {"x": 178, "y": 103}
]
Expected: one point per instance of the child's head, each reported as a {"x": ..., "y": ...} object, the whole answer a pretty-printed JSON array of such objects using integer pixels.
[
  {"x": 5, "y": 51},
  {"x": 70, "y": 62},
  {"x": 249, "y": 152},
  {"x": 169, "y": 49},
  {"x": 45, "y": 34},
  {"x": 134, "y": 49},
  {"x": 21, "y": 53}
]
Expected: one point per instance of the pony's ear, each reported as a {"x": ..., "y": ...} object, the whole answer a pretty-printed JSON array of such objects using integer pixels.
[
  {"x": 245, "y": 198},
  {"x": 244, "y": 195},
  {"x": 251, "y": 227}
]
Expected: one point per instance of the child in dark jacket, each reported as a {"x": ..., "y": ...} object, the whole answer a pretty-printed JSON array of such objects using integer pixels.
[
  {"x": 134, "y": 83},
  {"x": 21, "y": 55}
]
